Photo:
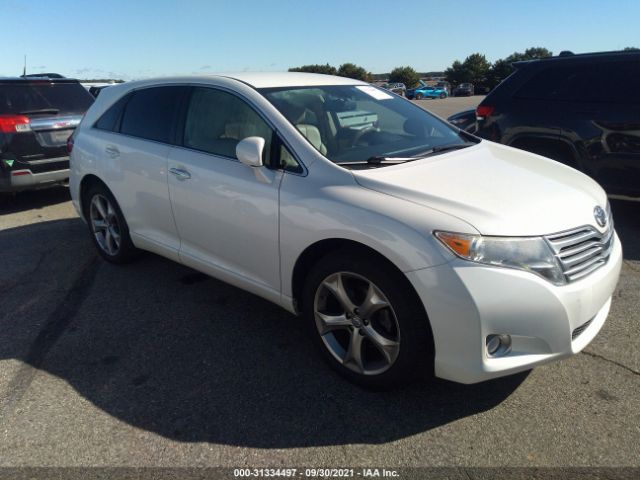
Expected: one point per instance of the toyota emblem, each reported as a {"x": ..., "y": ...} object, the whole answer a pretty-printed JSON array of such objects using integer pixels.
[{"x": 601, "y": 216}]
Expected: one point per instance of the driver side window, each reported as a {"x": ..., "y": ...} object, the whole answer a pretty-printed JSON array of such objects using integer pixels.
[{"x": 216, "y": 121}]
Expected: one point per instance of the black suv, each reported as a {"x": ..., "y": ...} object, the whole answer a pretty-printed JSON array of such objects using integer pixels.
[
  {"x": 581, "y": 110},
  {"x": 464, "y": 89},
  {"x": 37, "y": 116}
]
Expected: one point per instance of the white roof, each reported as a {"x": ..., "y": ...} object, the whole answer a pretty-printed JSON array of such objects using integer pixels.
[
  {"x": 289, "y": 79},
  {"x": 258, "y": 79}
]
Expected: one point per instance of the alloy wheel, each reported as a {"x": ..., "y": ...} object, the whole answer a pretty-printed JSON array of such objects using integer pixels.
[
  {"x": 105, "y": 225},
  {"x": 357, "y": 323}
]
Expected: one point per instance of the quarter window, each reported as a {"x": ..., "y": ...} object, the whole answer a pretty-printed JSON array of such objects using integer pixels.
[
  {"x": 287, "y": 161},
  {"x": 109, "y": 119},
  {"x": 216, "y": 121},
  {"x": 151, "y": 113}
]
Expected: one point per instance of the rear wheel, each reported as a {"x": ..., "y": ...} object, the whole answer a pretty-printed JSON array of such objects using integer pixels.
[
  {"x": 443, "y": 95},
  {"x": 108, "y": 227},
  {"x": 367, "y": 321},
  {"x": 419, "y": 96}
]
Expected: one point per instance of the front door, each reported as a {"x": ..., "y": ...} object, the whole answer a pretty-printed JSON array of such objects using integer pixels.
[{"x": 226, "y": 212}]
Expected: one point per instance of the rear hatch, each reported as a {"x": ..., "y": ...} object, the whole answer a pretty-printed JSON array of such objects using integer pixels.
[{"x": 37, "y": 116}]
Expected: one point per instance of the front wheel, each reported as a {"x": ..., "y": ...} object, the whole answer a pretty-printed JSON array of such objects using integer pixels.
[
  {"x": 443, "y": 95},
  {"x": 367, "y": 321},
  {"x": 419, "y": 96}
]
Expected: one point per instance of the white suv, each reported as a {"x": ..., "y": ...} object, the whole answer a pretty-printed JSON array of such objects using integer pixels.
[{"x": 409, "y": 247}]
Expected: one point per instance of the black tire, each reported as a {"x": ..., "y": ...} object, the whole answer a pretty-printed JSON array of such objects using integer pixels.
[
  {"x": 418, "y": 96},
  {"x": 443, "y": 95},
  {"x": 126, "y": 251},
  {"x": 415, "y": 355}
]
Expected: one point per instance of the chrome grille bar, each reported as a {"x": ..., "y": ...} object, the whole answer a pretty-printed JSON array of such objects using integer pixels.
[{"x": 582, "y": 250}]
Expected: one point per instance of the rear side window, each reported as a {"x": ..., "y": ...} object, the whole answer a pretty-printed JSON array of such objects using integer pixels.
[
  {"x": 601, "y": 82},
  {"x": 109, "y": 119},
  {"x": 216, "y": 121},
  {"x": 43, "y": 97},
  {"x": 152, "y": 113}
]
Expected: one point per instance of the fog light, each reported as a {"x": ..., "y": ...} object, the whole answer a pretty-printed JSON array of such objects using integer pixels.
[{"x": 498, "y": 345}]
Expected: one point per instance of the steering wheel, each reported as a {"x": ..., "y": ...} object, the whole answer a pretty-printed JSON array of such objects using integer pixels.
[{"x": 361, "y": 133}]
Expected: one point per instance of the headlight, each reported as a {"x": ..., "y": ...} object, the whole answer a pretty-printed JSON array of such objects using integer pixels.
[{"x": 531, "y": 254}]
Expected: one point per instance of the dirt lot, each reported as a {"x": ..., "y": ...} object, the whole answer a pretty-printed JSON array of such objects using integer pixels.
[{"x": 152, "y": 364}]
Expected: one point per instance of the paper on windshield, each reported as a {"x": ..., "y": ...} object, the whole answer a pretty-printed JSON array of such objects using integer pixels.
[{"x": 374, "y": 92}]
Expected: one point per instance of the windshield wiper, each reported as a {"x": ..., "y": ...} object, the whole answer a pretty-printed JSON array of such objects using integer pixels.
[
  {"x": 42, "y": 110},
  {"x": 448, "y": 147},
  {"x": 444, "y": 148},
  {"x": 379, "y": 160}
]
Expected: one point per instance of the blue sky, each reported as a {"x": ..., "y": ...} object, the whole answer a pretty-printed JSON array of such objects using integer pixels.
[{"x": 137, "y": 39}]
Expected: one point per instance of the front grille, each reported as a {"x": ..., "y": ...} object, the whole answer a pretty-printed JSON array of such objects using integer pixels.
[
  {"x": 578, "y": 330},
  {"x": 581, "y": 251}
]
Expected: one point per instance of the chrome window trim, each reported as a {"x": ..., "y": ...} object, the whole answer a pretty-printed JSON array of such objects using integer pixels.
[{"x": 242, "y": 97}]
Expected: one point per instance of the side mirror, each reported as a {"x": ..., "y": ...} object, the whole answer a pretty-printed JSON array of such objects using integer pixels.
[{"x": 249, "y": 151}]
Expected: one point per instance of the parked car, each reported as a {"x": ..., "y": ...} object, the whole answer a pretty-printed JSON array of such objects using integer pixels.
[
  {"x": 37, "y": 116},
  {"x": 382, "y": 237},
  {"x": 576, "y": 109},
  {"x": 426, "y": 91},
  {"x": 465, "y": 120},
  {"x": 430, "y": 92},
  {"x": 444, "y": 85},
  {"x": 464, "y": 90},
  {"x": 410, "y": 92},
  {"x": 397, "y": 88},
  {"x": 42, "y": 75}
]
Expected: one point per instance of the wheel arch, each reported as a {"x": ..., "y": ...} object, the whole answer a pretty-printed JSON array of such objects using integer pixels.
[
  {"x": 86, "y": 183},
  {"x": 320, "y": 249}
]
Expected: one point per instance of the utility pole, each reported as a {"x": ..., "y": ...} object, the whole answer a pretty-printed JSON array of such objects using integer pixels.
[{"x": 24, "y": 69}]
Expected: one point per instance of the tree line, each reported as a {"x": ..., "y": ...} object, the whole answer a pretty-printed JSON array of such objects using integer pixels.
[
  {"x": 349, "y": 70},
  {"x": 475, "y": 69},
  {"x": 485, "y": 75}
]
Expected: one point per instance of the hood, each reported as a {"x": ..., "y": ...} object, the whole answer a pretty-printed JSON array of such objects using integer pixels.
[{"x": 499, "y": 190}]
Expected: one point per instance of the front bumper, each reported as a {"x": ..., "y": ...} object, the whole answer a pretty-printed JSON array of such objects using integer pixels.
[
  {"x": 466, "y": 302},
  {"x": 17, "y": 180}
]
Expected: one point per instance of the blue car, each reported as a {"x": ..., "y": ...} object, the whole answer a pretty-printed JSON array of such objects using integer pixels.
[
  {"x": 426, "y": 91},
  {"x": 429, "y": 92}
]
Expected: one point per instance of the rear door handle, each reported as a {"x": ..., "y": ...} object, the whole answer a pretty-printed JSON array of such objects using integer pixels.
[
  {"x": 113, "y": 152},
  {"x": 180, "y": 173}
]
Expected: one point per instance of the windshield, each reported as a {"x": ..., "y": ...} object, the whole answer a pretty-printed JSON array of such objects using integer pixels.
[{"x": 353, "y": 123}]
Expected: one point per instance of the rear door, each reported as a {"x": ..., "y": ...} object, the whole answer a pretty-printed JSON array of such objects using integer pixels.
[
  {"x": 135, "y": 162},
  {"x": 226, "y": 212}
]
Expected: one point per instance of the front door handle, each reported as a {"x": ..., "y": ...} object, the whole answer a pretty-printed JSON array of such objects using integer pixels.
[
  {"x": 180, "y": 173},
  {"x": 112, "y": 151}
]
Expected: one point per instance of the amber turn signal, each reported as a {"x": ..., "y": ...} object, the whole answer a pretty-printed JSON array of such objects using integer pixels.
[{"x": 460, "y": 244}]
